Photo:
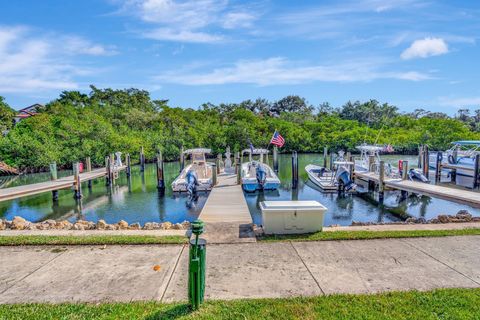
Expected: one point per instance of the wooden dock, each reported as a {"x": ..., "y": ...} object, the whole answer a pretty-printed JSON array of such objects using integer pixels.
[
  {"x": 226, "y": 203},
  {"x": 58, "y": 184},
  {"x": 226, "y": 214},
  {"x": 448, "y": 193}
]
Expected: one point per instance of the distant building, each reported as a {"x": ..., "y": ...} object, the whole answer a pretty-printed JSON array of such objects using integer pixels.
[{"x": 27, "y": 112}]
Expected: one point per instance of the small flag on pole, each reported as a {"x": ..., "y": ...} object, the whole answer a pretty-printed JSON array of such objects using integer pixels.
[{"x": 277, "y": 139}]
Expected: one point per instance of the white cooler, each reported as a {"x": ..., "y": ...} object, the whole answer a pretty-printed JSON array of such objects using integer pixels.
[{"x": 283, "y": 217}]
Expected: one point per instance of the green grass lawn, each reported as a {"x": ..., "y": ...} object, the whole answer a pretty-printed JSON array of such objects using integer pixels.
[
  {"x": 148, "y": 239},
  {"x": 360, "y": 235},
  {"x": 438, "y": 304},
  {"x": 89, "y": 240}
]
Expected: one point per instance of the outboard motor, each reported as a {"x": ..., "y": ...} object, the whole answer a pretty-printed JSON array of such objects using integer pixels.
[
  {"x": 416, "y": 175},
  {"x": 261, "y": 175},
  {"x": 192, "y": 182},
  {"x": 343, "y": 177}
]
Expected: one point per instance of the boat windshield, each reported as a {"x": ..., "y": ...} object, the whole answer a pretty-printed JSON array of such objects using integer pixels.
[{"x": 198, "y": 157}]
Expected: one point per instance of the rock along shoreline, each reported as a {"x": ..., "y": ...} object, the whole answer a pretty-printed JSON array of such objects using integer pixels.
[{"x": 19, "y": 223}]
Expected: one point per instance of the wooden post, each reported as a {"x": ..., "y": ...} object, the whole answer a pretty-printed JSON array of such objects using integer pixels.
[
  {"x": 348, "y": 156},
  {"x": 241, "y": 157},
  {"x": 325, "y": 155},
  {"x": 420, "y": 157},
  {"x": 160, "y": 175},
  {"x": 112, "y": 167},
  {"x": 405, "y": 170},
  {"x": 214, "y": 174},
  {"x": 238, "y": 169},
  {"x": 352, "y": 167},
  {"x": 275, "y": 159},
  {"x": 381, "y": 181},
  {"x": 476, "y": 173},
  {"x": 77, "y": 183},
  {"x": 53, "y": 176},
  {"x": 108, "y": 169},
  {"x": 142, "y": 160},
  {"x": 294, "y": 170},
  {"x": 217, "y": 163},
  {"x": 425, "y": 166},
  {"x": 453, "y": 172},
  {"x": 129, "y": 165},
  {"x": 88, "y": 165},
  {"x": 266, "y": 157},
  {"x": 182, "y": 159},
  {"x": 331, "y": 161},
  {"x": 438, "y": 167}
]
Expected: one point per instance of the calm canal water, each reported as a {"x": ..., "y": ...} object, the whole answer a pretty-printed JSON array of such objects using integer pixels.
[{"x": 139, "y": 200}]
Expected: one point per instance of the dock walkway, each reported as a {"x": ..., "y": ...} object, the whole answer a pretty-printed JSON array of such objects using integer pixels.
[
  {"x": 448, "y": 193},
  {"x": 61, "y": 183},
  {"x": 226, "y": 213}
]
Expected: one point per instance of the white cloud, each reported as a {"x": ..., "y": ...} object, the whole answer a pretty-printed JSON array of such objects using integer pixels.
[
  {"x": 30, "y": 62},
  {"x": 424, "y": 48},
  {"x": 460, "y": 102},
  {"x": 181, "y": 35},
  {"x": 187, "y": 20},
  {"x": 78, "y": 45},
  {"x": 278, "y": 71}
]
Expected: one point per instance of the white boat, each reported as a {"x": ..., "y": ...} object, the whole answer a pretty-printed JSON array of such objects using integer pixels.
[
  {"x": 369, "y": 160},
  {"x": 257, "y": 175},
  {"x": 461, "y": 154},
  {"x": 332, "y": 180},
  {"x": 196, "y": 176}
]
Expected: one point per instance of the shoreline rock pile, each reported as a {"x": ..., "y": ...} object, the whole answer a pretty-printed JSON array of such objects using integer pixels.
[
  {"x": 19, "y": 223},
  {"x": 461, "y": 216}
]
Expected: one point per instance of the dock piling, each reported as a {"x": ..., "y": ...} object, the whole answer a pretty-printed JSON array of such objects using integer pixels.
[
  {"x": 108, "y": 175},
  {"x": 453, "y": 172},
  {"x": 217, "y": 163},
  {"x": 425, "y": 161},
  {"x": 294, "y": 170},
  {"x": 129, "y": 165},
  {"x": 160, "y": 172},
  {"x": 214, "y": 174},
  {"x": 142, "y": 160},
  {"x": 381, "y": 178},
  {"x": 238, "y": 168},
  {"x": 476, "y": 173},
  {"x": 78, "y": 184},
  {"x": 438, "y": 167},
  {"x": 405, "y": 170},
  {"x": 325, "y": 156},
  {"x": 53, "y": 176},
  {"x": 371, "y": 163},
  {"x": 88, "y": 165},
  {"x": 275, "y": 159},
  {"x": 331, "y": 160},
  {"x": 182, "y": 159}
]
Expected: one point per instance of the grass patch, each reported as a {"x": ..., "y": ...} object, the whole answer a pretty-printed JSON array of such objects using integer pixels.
[
  {"x": 23, "y": 240},
  {"x": 361, "y": 235},
  {"x": 437, "y": 304}
]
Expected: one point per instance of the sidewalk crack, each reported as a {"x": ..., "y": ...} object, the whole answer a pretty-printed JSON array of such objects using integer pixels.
[
  {"x": 434, "y": 258},
  {"x": 306, "y": 267},
  {"x": 29, "y": 274},
  {"x": 173, "y": 272}
]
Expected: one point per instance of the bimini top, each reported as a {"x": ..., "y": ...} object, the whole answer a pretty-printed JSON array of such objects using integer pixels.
[
  {"x": 467, "y": 143},
  {"x": 197, "y": 150},
  {"x": 370, "y": 148},
  {"x": 255, "y": 151}
]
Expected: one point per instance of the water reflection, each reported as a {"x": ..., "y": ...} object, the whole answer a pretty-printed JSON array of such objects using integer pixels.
[{"x": 345, "y": 208}]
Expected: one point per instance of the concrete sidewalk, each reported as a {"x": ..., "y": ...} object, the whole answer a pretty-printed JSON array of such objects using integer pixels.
[{"x": 248, "y": 270}]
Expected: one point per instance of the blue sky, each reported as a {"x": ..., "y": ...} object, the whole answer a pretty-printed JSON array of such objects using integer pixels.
[{"x": 414, "y": 54}]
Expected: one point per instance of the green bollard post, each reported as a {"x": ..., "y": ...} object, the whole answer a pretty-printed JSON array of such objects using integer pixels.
[{"x": 196, "y": 267}]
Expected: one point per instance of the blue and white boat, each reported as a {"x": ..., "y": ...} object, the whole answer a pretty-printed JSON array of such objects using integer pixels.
[
  {"x": 257, "y": 175},
  {"x": 461, "y": 154}
]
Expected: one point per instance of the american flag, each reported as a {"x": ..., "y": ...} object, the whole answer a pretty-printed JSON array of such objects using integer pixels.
[{"x": 277, "y": 139}]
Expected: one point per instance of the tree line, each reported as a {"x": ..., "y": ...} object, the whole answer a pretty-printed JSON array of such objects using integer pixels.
[{"x": 77, "y": 125}]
